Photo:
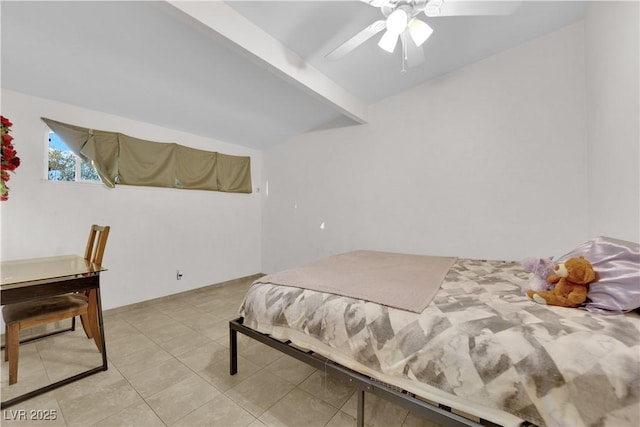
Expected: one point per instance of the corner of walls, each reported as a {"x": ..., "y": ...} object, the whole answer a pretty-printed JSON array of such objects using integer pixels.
[{"x": 613, "y": 97}]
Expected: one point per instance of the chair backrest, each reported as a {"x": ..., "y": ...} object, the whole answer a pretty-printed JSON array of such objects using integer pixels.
[{"x": 96, "y": 243}]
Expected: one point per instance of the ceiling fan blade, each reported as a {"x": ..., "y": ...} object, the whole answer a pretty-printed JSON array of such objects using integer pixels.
[
  {"x": 469, "y": 8},
  {"x": 356, "y": 40},
  {"x": 375, "y": 3}
]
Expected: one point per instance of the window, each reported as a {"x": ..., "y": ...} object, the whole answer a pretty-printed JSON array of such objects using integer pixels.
[
  {"x": 66, "y": 166},
  {"x": 120, "y": 159}
]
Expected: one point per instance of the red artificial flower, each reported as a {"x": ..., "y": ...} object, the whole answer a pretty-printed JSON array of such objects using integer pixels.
[
  {"x": 9, "y": 161},
  {"x": 8, "y": 153}
]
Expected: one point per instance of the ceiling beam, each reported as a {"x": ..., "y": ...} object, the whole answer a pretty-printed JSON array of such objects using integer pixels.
[{"x": 262, "y": 48}]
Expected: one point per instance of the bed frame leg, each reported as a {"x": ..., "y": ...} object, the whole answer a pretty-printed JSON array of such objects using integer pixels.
[
  {"x": 233, "y": 349},
  {"x": 360, "y": 410}
]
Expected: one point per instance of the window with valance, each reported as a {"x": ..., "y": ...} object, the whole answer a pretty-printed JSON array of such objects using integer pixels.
[{"x": 125, "y": 160}]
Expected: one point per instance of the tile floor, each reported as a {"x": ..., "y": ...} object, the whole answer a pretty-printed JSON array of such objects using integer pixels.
[{"x": 169, "y": 365}]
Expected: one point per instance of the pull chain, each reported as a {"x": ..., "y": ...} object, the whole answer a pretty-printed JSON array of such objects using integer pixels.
[{"x": 403, "y": 40}]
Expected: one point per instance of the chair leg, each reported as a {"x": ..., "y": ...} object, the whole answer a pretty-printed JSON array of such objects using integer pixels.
[
  {"x": 6, "y": 340},
  {"x": 12, "y": 345}
]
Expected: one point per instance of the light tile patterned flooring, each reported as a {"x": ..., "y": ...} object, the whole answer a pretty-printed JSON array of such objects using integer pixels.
[{"x": 169, "y": 365}]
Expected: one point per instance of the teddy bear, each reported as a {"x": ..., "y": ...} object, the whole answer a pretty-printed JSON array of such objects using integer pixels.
[
  {"x": 571, "y": 279},
  {"x": 540, "y": 269}
]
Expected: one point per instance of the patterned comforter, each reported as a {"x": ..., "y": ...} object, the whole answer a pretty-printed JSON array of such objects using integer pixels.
[{"x": 480, "y": 346}]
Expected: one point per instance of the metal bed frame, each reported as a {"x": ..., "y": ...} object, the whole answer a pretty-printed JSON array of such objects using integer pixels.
[{"x": 440, "y": 414}]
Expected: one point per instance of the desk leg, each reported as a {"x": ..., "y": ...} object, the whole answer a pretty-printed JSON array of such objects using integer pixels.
[{"x": 100, "y": 328}]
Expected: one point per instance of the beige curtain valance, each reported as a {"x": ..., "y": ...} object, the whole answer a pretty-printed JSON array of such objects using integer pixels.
[
  {"x": 102, "y": 149},
  {"x": 196, "y": 169},
  {"x": 146, "y": 163},
  {"x": 122, "y": 159}
]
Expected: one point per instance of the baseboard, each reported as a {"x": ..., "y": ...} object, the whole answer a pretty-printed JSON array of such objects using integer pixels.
[{"x": 232, "y": 282}]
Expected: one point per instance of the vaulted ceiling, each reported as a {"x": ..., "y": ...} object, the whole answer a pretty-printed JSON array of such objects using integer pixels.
[{"x": 252, "y": 73}]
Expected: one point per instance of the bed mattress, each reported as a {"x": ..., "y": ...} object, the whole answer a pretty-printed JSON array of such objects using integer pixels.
[{"x": 480, "y": 347}]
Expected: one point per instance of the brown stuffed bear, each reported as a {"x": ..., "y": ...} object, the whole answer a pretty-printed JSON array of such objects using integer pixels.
[{"x": 571, "y": 280}]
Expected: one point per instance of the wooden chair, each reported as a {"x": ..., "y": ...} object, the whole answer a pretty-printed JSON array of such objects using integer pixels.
[{"x": 52, "y": 309}]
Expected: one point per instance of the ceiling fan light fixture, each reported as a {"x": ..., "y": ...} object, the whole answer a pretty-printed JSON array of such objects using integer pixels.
[
  {"x": 397, "y": 21},
  {"x": 388, "y": 41},
  {"x": 419, "y": 31}
]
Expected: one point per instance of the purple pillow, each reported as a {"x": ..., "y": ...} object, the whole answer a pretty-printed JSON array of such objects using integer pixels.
[{"x": 617, "y": 265}]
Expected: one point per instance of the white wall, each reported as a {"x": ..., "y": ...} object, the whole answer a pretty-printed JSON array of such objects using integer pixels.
[
  {"x": 489, "y": 161},
  {"x": 612, "y": 47},
  {"x": 212, "y": 236}
]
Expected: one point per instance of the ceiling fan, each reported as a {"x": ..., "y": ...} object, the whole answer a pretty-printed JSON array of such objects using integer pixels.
[{"x": 402, "y": 22}]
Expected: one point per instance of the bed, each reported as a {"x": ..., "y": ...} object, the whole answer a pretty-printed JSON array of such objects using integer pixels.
[{"x": 479, "y": 347}]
